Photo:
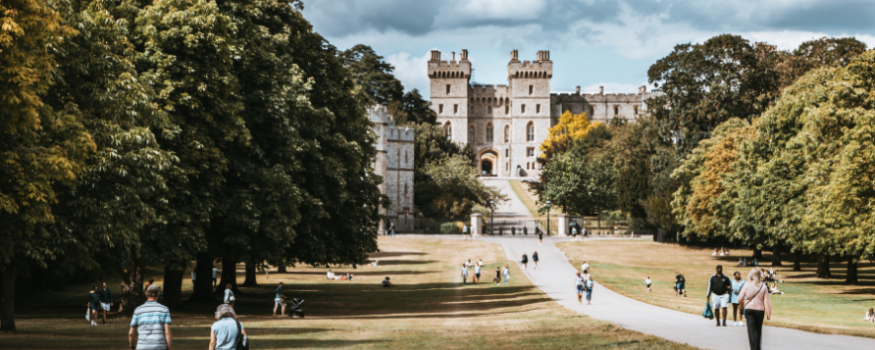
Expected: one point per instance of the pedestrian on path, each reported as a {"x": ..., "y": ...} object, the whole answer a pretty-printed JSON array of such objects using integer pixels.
[
  {"x": 464, "y": 273},
  {"x": 465, "y": 231},
  {"x": 589, "y": 285},
  {"x": 151, "y": 322},
  {"x": 535, "y": 259},
  {"x": 280, "y": 301},
  {"x": 506, "y": 274},
  {"x": 737, "y": 284},
  {"x": 105, "y": 300},
  {"x": 215, "y": 270},
  {"x": 540, "y": 236},
  {"x": 229, "y": 295},
  {"x": 579, "y": 287},
  {"x": 574, "y": 233},
  {"x": 477, "y": 268},
  {"x": 647, "y": 282},
  {"x": 583, "y": 233},
  {"x": 525, "y": 261},
  {"x": 719, "y": 288},
  {"x": 754, "y": 300},
  {"x": 497, "y": 279},
  {"x": 584, "y": 267},
  {"x": 227, "y": 331},
  {"x": 679, "y": 284},
  {"x": 93, "y": 304}
]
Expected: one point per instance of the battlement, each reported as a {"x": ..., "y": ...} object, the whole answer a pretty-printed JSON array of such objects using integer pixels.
[
  {"x": 540, "y": 68},
  {"x": 379, "y": 114},
  {"x": 481, "y": 89},
  {"x": 449, "y": 69},
  {"x": 399, "y": 133}
]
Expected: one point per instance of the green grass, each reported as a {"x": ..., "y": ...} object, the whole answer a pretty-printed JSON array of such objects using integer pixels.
[
  {"x": 825, "y": 306},
  {"x": 429, "y": 309}
]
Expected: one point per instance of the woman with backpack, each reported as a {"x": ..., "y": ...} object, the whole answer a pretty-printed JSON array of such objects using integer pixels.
[
  {"x": 754, "y": 300},
  {"x": 227, "y": 332}
]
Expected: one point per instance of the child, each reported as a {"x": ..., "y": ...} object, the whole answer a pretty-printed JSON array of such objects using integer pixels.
[
  {"x": 870, "y": 316},
  {"x": 647, "y": 282},
  {"x": 464, "y": 273}
]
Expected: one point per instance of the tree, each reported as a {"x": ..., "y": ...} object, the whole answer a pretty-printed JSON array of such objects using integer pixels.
[
  {"x": 42, "y": 150},
  {"x": 453, "y": 189},
  {"x": 412, "y": 109},
  {"x": 570, "y": 127},
  {"x": 372, "y": 74}
]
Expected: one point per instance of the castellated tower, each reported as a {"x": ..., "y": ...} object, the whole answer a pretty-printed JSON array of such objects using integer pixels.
[{"x": 506, "y": 124}]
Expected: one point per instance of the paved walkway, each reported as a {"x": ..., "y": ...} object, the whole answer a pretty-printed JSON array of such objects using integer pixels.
[
  {"x": 514, "y": 208},
  {"x": 555, "y": 276}
]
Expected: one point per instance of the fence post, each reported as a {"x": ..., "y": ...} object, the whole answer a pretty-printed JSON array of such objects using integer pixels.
[
  {"x": 476, "y": 224},
  {"x": 563, "y": 225}
]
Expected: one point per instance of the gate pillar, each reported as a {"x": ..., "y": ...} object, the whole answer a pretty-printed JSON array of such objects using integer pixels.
[{"x": 563, "y": 225}]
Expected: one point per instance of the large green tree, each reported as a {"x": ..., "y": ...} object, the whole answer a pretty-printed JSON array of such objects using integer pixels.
[
  {"x": 43, "y": 150},
  {"x": 372, "y": 74}
]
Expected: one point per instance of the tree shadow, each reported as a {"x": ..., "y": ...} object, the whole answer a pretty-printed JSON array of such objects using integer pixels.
[{"x": 393, "y": 254}]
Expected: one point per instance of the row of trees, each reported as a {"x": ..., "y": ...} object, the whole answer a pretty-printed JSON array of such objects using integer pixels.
[
  {"x": 742, "y": 142},
  {"x": 140, "y": 133}
]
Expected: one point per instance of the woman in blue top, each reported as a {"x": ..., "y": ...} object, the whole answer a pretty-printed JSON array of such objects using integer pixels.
[
  {"x": 223, "y": 333},
  {"x": 588, "y": 284},
  {"x": 506, "y": 273},
  {"x": 578, "y": 286},
  {"x": 737, "y": 283}
]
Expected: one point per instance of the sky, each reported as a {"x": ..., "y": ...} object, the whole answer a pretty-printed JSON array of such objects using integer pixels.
[{"x": 592, "y": 43}]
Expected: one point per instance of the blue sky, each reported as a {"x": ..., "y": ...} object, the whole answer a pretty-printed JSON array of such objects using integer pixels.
[{"x": 592, "y": 42}]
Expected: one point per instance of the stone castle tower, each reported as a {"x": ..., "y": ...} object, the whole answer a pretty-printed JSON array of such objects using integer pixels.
[
  {"x": 394, "y": 162},
  {"x": 506, "y": 124}
]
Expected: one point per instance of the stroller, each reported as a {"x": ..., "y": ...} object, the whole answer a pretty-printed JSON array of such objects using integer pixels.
[{"x": 293, "y": 307}]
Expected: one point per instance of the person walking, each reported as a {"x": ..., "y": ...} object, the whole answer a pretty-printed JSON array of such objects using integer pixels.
[
  {"x": 93, "y": 304},
  {"x": 525, "y": 261},
  {"x": 589, "y": 285},
  {"x": 647, "y": 283},
  {"x": 151, "y": 323},
  {"x": 215, "y": 281},
  {"x": 229, "y": 295},
  {"x": 584, "y": 267},
  {"x": 506, "y": 274},
  {"x": 227, "y": 331},
  {"x": 280, "y": 300},
  {"x": 719, "y": 288},
  {"x": 464, "y": 231},
  {"x": 579, "y": 287},
  {"x": 754, "y": 300},
  {"x": 574, "y": 233},
  {"x": 535, "y": 259},
  {"x": 583, "y": 233},
  {"x": 737, "y": 284},
  {"x": 477, "y": 268},
  {"x": 679, "y": 284},
  {"x": 464, "y": 273},
  {"x": 540, "y": 235},
  {"x": 105, "y": 300},
  {"x": 497, "y": 275}
]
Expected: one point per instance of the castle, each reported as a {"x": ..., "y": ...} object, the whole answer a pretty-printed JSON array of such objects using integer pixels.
[
  {"x": 506, "y": 124},
  {"x": 394, "y": 162}
]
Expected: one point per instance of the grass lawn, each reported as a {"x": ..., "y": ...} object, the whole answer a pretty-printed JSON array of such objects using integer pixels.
[
  {"x": 429, "y": 308},
  {"x": 530, "y": 199},
  {"x": 812, "y": 304}
]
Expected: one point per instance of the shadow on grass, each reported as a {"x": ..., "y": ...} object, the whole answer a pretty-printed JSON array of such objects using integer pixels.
[
  {"x": 289, "y": 343},
  {"x": 381, "y": 255},
  {"x": 361, "y": 272}
]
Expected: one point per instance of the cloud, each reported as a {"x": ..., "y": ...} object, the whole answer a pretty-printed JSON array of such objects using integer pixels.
[{"x": 411, "y": 70}]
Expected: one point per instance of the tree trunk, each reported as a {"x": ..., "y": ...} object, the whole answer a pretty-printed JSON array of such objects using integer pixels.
[
  {"x": 173, "y": 287},
  {"x": 7, "y": 300},
  {"x": 797, "y": 261},
  {"x": 852, "y": 271},
  {"x": 281, "y": 268},
  {"x": 132, "y": 286},
  {"x": 229, "y": 275},
  {"x": 823, "y": 267},
  {"x": 776, "y": 257},
  {"x": 203, "y": 282},
  {"x": 758, "y": 254},
  {"x": 250, "y": 275}
]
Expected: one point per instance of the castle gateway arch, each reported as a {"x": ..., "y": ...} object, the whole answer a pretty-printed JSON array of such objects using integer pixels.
[{"x": 487, "y": 162}]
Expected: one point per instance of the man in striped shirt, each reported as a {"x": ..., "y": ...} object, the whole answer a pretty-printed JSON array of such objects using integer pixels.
[{"x": 151, "y": 322}]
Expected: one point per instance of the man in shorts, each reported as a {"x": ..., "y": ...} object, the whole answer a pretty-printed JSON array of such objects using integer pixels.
[
  {"x": 679, "y": 282},
  {"x": 151, "y": 321},
  {"x": 105, "y": 296},
  {"x": 279, "y": 301},
  {"x": 719, "y": 289}
]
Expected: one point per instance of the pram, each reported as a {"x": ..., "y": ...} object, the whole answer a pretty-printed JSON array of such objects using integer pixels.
[{"x": 293, "y": 307}]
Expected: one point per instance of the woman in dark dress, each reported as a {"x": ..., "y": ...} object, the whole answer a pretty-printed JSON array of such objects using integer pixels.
[
  {"x": 535, "y": 259},
  {"x": 525, "y": 261}
]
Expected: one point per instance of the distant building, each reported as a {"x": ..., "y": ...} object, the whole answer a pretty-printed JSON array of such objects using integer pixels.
[
  {"x": 506, "y": 124},
  {"x": 394, "y": 163}
]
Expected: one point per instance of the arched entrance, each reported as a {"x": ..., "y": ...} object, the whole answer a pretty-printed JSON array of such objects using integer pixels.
[{"x": 487, "y": 163}]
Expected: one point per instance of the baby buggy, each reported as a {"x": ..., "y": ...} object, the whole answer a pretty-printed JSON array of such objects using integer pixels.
[{"x": 293, "y": 307}]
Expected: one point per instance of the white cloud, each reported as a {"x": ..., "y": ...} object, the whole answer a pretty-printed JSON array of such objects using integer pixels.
[{"x": 411, "y": 70}]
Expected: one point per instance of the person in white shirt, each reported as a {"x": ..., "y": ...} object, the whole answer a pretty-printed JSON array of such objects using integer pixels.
[
  {"x": 647, "y": 282},
  {"x": 193, "y": 276},
  {"x": 468, "y": 264},
  {"x": 477, "y": 268},
  {"x": 330, "y": 275},
  {"x": 215, "y": 270},
  {"x": 229, "y": 296},
  {"x": 585, "y": 267},
  {"x": 464, "y": 273},
  {"x": 465, "y": 231},
  {"x": 574, "y": 233},
  {"x": 870, "y": 316}
]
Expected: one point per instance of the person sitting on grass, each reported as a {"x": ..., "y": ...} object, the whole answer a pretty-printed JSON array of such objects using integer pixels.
[
  {"x": 351, "y": 277},
  {"x": 330, "y": 275},
  {"x": 375, "y": 263},
  {"x": 774, "y": 289},
  {"x": 870, "y": 316},
  {"x": 387, "y": 283}
]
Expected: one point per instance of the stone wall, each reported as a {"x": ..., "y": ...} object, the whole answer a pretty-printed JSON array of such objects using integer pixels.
[{"x": 394, "y": 162}]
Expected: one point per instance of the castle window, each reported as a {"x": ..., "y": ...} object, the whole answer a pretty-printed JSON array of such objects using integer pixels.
[
  {"x": 537, "y": 108},
  {"x": 531, "y": 89},
  {"x": 506, "y": 110},
  {"x": 530, "y": 132},
  {"x": 591, "y": 112},
  {"x": 635, "y": 110},
  {"x": 448, "y": 128},
  {"x": 489, "y": 110},
  {"x": 489, "y": 132},
  {"x": 522, "y": 108},
  {"x": 405, "y": 190},
  {"x": 506, "y": 166},
  {"x": 471, "y": 110},
  {"x": 448, "y": 89},
  {"x": 507, "y": 153},
  {"x": 405, "y": 157},
  {"x": 530, "y": 152},
  {"x": 507, "y": 133},
  {"x": 440, "y": 109},
  {"x": 471, "y": 134},
  {"x": 616, "y": 110},
  {"x": 455, "y": 109},
  {"x": 527, "y": 165}
]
